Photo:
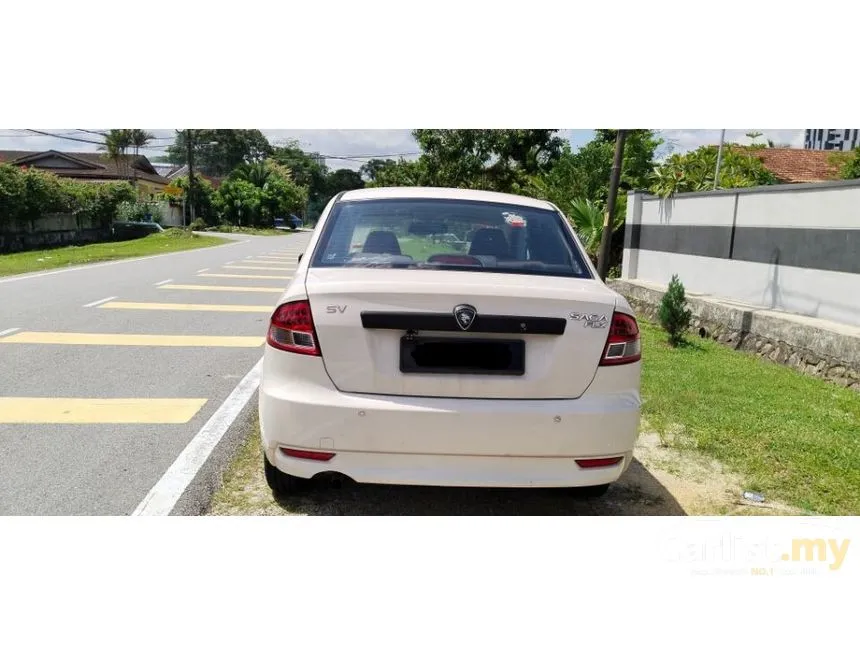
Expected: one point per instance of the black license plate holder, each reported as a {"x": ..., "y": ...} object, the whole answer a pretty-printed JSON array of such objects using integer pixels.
[{"x": 484, "y": 356}]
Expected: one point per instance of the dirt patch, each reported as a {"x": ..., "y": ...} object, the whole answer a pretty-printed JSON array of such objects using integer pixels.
[
  {"x": 660, "y": 481},
  {"x": 700, "y": 485}
]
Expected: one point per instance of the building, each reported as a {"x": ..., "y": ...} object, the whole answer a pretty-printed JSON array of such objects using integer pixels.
[
  {"x": 91, "y": 166},
  {"x": 834, "y": 140},
  {"x": 798, "y": 165}
]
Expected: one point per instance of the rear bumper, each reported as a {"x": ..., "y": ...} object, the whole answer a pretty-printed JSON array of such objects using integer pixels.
[
  {"x": 455, "y": 470},
  {"x": 443, "y": 441}
]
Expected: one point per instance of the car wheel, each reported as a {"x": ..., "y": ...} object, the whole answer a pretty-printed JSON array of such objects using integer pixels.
[
  {"x": 591, "y": 492},
  {"x": 281, "y": 483}
]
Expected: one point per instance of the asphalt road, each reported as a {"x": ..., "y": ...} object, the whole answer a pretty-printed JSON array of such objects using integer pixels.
[{"x": 97, "y": 400}]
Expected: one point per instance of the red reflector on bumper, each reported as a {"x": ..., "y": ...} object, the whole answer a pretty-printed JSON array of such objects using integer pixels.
[
  {"x": 601, "y": 462},
  {"x": 307, "y": 454}
]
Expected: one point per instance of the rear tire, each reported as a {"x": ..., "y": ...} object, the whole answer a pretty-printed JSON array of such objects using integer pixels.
[
  {"x": 591, "y": 492},
  {"x": 281, "y": 483}
]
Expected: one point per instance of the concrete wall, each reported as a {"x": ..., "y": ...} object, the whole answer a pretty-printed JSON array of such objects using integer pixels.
[{"x": 794, "y": 248}]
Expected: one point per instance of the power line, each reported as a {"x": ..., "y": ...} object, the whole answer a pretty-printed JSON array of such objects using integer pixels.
[
  {"x": 60, "y": 136},
  {"x": 105, "y": 134},
  {"x": 355, "y": 157}
]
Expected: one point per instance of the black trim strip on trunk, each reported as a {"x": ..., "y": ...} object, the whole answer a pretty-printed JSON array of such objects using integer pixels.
[{"x": 486, "y": 324}]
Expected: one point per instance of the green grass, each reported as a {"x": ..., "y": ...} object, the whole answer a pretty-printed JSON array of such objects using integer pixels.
[
  {"x": 247, "y": 230},
  {"x": 421, "y": 249},
  {"x": 170, "y": 240},
  {"x": 790, "y": 436}
]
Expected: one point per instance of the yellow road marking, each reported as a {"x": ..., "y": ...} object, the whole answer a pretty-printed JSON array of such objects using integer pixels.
[
  {"x": 50, "y": 410},
  {"x": 147, "y": 340},
  {"x": 175, "y": 306},
  {"x": 209, "y": 287},
  {"x": 238, "y": 266},
  {"x": 239, "y": 275}
]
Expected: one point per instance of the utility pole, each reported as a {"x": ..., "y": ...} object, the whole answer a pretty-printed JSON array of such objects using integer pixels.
[
  {"x": 614, "y": 179},
  {"x": 719, "y": 159},
  {"x": 190, "y": 152}
]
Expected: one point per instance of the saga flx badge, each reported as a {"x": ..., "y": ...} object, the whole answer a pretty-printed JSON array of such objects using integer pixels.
[{"x": 595, "y": 321}]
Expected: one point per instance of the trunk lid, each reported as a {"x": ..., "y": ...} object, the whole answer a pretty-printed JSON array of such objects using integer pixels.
[{"x": 541, "y": 316}]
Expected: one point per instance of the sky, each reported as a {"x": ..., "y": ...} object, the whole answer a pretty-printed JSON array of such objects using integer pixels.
[{"x": 370, "y": 142}]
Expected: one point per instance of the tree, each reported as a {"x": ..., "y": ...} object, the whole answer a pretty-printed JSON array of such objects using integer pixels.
[
  {"x": 342, "y": 179},
  {"x": 674, "y": 315},
  {"x": 238, "y": 201},
  {"x": 489, "y": 159},
  {"x": 695, "y": 171},
  {"x": 116, "y": 145},
  {"x": 278, "y": 194},
  {"x": 98, "y": 202},
  {"x": 139, "y": 139},
  {"x": 43, "y": 195},
  {"x": 12, "y": 195},
  {"x": 372, "y": 168},
  {"x": 217, "y": 152},
  {"x": 848, "y": 165},
  {"x": 402, "y": 173},
  {"x": 587, "y": 218},
  {"x": 204, "y": 206},
  {"x": 256, "y": 173},
  {"x": 584, "y": 174},
  {"x": 308, "y": 170}
]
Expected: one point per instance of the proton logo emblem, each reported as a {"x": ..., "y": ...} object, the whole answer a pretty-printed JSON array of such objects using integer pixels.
[{"x": 465, "y": 315}]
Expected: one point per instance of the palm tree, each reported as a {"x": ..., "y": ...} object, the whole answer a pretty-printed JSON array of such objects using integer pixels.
[
  {"x": 116, "y": 144},
  {"x": 587, "y": 218},
  {"x": 139, "y": 139},
  {"x": 257, "y": 173}
]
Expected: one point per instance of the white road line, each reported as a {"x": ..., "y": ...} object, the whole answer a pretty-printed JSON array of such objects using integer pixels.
[
  {"x": 11, "y": 330},
  {"x": 166, "y": 493},
  {"x": 202, "y": 270},
  {"x": 158, "y": 284},
  {"x": 97, "y": 265},
  {"x": 100, "y": 302}
]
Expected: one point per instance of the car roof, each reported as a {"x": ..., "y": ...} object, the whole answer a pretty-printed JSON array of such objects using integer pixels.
[{"x": 413, "y": 192}]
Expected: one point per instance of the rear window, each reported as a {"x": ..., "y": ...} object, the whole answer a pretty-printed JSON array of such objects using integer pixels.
[{"x": 447, "y": 234}]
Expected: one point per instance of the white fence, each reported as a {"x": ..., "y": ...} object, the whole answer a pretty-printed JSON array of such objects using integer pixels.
[{"x": 794, "y": 248}]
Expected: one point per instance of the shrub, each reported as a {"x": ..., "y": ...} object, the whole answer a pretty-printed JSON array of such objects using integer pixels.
[
  {"x": 138, "y": 212},
  {"x": 198, "y": 224},
  {"x": 674, "y": 315},
  {"x": 849, "y": 166}
]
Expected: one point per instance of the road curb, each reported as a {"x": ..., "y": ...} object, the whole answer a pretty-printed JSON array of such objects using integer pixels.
[{"x": 197, "y": 497}]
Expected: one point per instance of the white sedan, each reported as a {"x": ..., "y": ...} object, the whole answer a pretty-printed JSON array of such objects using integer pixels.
[{"x": 396, "y": 356}]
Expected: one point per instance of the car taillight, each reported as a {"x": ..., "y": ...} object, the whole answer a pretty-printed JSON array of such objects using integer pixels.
[
  {"x": 623, "y": 345},
  {"x": 292, "y": 329}
]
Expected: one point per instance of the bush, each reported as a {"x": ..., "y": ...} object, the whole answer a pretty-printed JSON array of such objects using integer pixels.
[
  {"x": 674, "y": 315},
  {"x": 138, "y": 212},
  {"x": 198, "y": 224},
  {"x": 26, "y": 195}
]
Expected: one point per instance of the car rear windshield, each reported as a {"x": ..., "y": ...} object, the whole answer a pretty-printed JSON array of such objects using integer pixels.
[{"x": 448, "y": 234}]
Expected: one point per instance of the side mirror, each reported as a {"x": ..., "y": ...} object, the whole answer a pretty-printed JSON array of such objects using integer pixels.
[{"x": 300, "y": 258}]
